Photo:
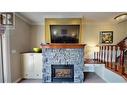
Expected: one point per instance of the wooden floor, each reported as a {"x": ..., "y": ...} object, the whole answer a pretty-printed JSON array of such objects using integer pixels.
[{"x": 90, "y": 77}]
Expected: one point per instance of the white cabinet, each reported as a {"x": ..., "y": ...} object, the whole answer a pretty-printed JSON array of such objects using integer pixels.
[
  {"x": 31, "y": 65},
  {"x": 37, "y": 65}
]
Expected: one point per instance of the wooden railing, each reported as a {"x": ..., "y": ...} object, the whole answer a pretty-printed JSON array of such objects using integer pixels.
[{"x": 113, "y": 57}]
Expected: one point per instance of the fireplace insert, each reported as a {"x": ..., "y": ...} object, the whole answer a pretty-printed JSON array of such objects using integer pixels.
[{"x": 62, "y": 73}]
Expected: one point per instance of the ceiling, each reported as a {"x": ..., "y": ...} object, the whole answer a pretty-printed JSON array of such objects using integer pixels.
[{"x": 37, "y": 18}]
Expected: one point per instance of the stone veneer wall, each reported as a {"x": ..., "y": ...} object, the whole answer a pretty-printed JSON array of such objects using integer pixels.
[{"x": 64, "y": 57}]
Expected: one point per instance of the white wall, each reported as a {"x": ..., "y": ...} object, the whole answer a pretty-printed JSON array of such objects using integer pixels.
[
  {"x": 19, "y": 42},
  {"x": 108, "y": 75},
  {"x": 6, "y": 55},
  {"x": 37, "y": 35},
  {"x": 105, "y": 74},
  {"x": 92, "y": 30}
]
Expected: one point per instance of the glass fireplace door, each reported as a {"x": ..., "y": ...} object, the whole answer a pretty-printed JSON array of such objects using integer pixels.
[{"x": 62, "y": 73}]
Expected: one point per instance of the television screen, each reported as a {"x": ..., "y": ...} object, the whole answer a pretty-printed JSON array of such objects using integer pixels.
[{"x": 64, "y": 33}]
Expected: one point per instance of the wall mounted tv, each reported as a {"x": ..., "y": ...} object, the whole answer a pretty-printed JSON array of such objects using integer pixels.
[{"x": 64, "y": 33}]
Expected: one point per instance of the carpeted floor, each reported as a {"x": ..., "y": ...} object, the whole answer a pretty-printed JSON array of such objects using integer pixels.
[{"x": 89, "y": 78}]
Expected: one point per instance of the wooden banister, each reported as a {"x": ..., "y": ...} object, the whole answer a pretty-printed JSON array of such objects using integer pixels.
[
  {"x": 122, "y": 43},
  {"x": 113, "y": 56}
]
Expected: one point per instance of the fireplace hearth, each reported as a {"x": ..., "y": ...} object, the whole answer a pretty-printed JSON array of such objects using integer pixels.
[{"x": 62, "y": 73}]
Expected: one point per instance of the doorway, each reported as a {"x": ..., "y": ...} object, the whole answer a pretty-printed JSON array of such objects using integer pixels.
[{"x": 5, "y": 69}]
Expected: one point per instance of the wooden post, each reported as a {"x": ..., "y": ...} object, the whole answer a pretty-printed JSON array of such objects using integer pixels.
[
  {"x": 94, "y": 56},
  {"x": 100, "y": 54},
  {"x": 116, "y": 48},
  {"x": 104, "y": 53},
  {"x": 97, "y": 56},
  {"x": 111, "y": 63},
  {"x": 107, "y": 56},
  {"x": 121, "y": 67}
]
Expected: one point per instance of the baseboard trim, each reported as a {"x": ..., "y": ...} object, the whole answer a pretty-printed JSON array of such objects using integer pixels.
[{"x": 18, "y": 80}]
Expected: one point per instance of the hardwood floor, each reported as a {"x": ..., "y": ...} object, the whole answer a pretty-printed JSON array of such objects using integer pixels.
[{"x": 90, "y": 77}]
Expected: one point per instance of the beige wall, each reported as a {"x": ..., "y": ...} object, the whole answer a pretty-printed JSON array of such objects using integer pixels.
[
  {"x": 120, "y": 31},
  {"x": 19, "y": 42},
  {"x": 37, "y": 35},
  {"x": 91, "y": 35}
]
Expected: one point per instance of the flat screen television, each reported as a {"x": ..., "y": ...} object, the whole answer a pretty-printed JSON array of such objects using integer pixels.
[{"x": 64, "y": 33}]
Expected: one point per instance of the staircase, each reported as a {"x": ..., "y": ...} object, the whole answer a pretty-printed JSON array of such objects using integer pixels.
[{"x": 114, "y": 57}]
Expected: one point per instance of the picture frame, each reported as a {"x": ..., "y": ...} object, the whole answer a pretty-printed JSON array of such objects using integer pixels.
[{"x": 106, "y": 37}]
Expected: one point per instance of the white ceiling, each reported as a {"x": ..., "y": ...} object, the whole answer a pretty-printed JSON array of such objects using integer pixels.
[{"x": 37, "y": 18}]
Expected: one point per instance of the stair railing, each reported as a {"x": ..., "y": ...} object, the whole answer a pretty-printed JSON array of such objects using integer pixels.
[{"x": 109, "y": 55}]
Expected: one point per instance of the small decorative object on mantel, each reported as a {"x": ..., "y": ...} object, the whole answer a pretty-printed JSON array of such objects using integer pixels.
[{"x": 106, "y": 37}]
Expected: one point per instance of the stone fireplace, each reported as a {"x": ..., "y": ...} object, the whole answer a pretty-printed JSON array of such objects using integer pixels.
[
  {"x": 62, "y": 73},
  {"x": 63, "y": 63}
]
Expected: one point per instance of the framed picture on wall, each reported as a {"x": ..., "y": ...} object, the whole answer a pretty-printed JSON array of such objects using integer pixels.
[
  {"x": 106, "y": 37},
  {"x": 7, "y": 18}
]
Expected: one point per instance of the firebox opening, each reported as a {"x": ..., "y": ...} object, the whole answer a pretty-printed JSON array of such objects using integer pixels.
[{"x": 62, "y": 73}]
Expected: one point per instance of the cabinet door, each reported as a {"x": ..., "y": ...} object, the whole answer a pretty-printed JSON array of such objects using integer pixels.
[
  {"x": 38, "y": 66},
  {"x": 28, "y": 67}
]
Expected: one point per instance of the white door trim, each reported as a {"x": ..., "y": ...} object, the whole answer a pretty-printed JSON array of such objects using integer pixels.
[
  {"x": 1, "y": 61},
  {"x": 6, "y": 56}
]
